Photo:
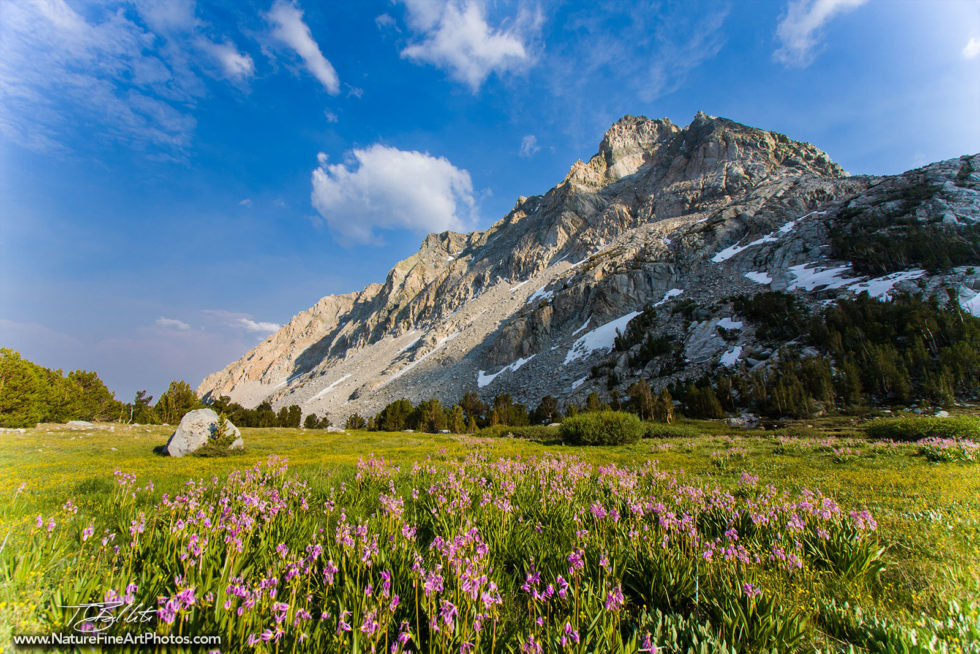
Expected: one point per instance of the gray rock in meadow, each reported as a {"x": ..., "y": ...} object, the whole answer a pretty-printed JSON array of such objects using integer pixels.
[
  {"x": 195, "y": 428},
  {"x": 79, "y": 424}
]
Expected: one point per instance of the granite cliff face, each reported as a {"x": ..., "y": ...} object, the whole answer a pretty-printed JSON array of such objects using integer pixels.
[{"x": 660, "y": 215}]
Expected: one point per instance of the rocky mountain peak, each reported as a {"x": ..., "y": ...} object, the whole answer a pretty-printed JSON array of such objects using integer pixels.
[
  {"x": 531, "y": 305},
  {"x": 631, "y": 142}
]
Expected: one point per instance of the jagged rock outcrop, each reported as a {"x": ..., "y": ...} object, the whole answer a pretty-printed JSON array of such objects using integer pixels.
[{"x": 660, "y": 215}]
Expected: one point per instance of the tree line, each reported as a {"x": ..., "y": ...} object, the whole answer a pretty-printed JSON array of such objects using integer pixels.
[
  {"x": 265, "y": 416},
  {"x": 871, "y": 353},
  {"x": 30, "y": 393},
  {"x": 471, "y": 413}
]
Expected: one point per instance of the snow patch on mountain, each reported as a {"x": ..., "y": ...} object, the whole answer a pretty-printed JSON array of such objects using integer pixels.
[
  {"x": 970, "y": 301},
  {"x": 328, "y": 388},
  {"x": 540, "y": 294},
  {"x": 483, "y": 379},
  {"x": 600, "y": 338},
  {"x": 423, "y": 357},
  {"x": 672, "y": 293},
  {"x": 728, "y": 323},
  {"x": 729, "y": 358},
  {"x": 810, "y": 279},
  {"x": 759, "y": 277},
  {"x": 771, "y": 237},
  {"x": 881, "y": 287}
]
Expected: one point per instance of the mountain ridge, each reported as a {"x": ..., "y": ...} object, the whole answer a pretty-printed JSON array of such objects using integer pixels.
[{"x": 652, "y": 211}]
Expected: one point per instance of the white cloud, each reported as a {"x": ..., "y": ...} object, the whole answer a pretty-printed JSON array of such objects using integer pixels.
[
  {"x": 972, "y": 48},
  {"x": 234, "y": 64},
  {"x": 529, "y": 146},
  {"x": 455, "y": 36},
  {"x": 385, "y": 21},
  {"x": 167, "y": 15},
  {"x": 798, "y": 31},
  {"x": 247, "y": 203},
  {"x": 386, "y": 188},
  {"x": 330, "y": 116},
  {"x": 262, "y": 327},
  {"x": 241, "y": 321},
  {"x": 94, "y": 71},
  {"x": 172, "y": 323},
  {"x": 291, "y": 30}
]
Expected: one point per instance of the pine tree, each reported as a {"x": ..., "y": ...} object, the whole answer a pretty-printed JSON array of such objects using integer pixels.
[
  {"x": 664, "y": 407},
  {"x": 641, "y": 400},
  {"x": 22, "y": 390},
  {"x": 547, "y": 411},
  {"x": 593, "y": 403},
  {"x": 178, "y": 400},
  {"x": 456, "y": 420},
  {"x": 394, "y": 416},
  {"x": 141, "y": 411}
]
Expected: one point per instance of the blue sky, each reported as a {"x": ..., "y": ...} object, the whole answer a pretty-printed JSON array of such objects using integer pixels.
[{"x": 178, "y": 178}]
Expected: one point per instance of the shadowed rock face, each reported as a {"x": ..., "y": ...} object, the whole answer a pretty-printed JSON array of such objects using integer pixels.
[{"x": 520, "y": 307}]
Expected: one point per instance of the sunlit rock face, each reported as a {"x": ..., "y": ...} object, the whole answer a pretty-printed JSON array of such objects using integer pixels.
[{"x": 661, "y": 215}]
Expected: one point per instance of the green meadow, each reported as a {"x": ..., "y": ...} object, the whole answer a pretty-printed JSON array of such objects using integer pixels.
[{"x": 927, "y": 513}]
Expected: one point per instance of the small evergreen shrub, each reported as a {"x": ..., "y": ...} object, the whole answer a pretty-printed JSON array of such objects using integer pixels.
[
  {"x": 601, "y": 428},
  {"x": 219, "y": 440},
  {"x": 911, "y": 429}
]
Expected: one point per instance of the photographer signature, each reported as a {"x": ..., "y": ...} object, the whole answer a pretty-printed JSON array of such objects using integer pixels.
[{"x": 96, "y": 617}]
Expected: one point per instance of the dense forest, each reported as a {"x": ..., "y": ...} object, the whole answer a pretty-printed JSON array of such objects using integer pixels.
[{"x": 868, "y": 353}]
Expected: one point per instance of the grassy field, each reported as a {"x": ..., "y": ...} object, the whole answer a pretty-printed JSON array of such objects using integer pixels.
[{"x": 928, "y": 517}]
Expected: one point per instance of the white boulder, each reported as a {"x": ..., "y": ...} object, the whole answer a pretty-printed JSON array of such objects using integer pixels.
[{"x": 196, "y": 429}]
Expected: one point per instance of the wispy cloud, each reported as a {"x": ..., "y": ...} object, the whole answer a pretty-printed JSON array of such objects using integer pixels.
[
  {"x": 799, "y": 29},
  {"x": 234, "y": 64},
  {"x": 529, "y": 146},
  {"x": 260, "y": 327},
  {"x": 242, "y": 321},
  {"x": 383, "y": 187},
  {"x": 81, "y": 74},
  {"x": 972, "y": 48},
  {"x": 172, "y": 323},
  {"x": 288, "y": 27},
  {"x": 385, "y": 21},
  {"x": 247, "y": 203},
  {"x": 636, "y": 53},
  {"x": 454, "y": 35},
  {"x": 168, "y": 15}
]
